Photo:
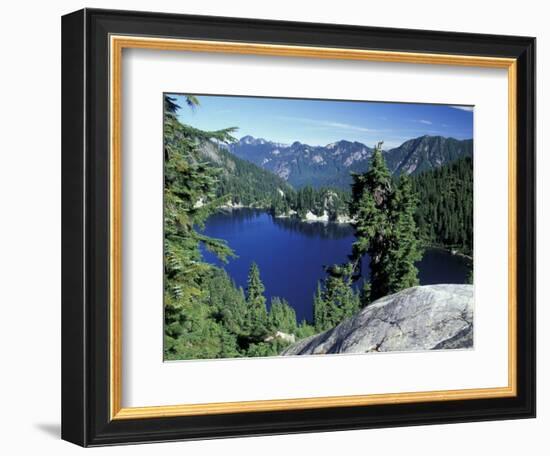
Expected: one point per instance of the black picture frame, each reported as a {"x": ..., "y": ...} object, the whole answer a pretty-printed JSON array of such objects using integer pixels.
[{"x": 85, "y": 225}]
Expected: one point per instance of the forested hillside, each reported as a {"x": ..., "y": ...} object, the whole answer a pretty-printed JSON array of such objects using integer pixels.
[
  {"x": 425, "y": 153},
  {"x": 240, "y": 181},
  {"x": 445, "y": 213}
]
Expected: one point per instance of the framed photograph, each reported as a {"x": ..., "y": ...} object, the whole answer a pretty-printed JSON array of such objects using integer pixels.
[{"x": 278, "y": 227}]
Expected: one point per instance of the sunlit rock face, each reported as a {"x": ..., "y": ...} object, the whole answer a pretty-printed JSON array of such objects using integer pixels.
[{"x": 432, "y": 317}]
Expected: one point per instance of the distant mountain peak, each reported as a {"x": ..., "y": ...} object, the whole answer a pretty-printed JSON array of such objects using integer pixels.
[
  {"x": 426, "y": 152},
  {"x": 247, "y": 139},
  {"x": 302, "y": 164},
  {"x": 339, "y": 143},
  {"x": 251, "y": 140},
  {"x": 432, "y": 137}
]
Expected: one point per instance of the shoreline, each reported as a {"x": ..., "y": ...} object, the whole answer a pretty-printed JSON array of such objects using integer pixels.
[
  {"x": 310, "y": 217},
  {"x": 448, "y": 250},
  {"x": 342, "y": 220}
]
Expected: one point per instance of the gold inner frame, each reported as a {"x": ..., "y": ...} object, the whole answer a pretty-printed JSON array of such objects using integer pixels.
[{"x": 117, "y": 44}]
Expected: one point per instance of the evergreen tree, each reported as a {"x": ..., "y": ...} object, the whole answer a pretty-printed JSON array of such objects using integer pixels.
[
  {"x": 320, "y": 317},
  {"x": 385, "y": 229},
  {"x": 370, "y": 207},
  {"x": 304, "y": 330},
  {"x": 365, "y": 294},
  {"x": 403, "y": 249},
  {"x": 445, "y": 215},
  {"x": 228, "y": 302},
  {"x": 337, "y": 300},
  {"x": 282, "y": 317},
  {"x": 332, "y": 201},
  {"x": 257, "y": 312}
]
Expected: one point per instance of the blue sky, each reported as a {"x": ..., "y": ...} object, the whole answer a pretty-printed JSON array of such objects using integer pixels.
[{"x": 320, "y": 122}]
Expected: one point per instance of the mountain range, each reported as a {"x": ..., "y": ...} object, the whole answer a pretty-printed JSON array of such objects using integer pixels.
[{"x": 321, "y": 166}]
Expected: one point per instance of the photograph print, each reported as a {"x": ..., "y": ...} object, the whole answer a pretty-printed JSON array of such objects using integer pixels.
[{"x": 316, "y": 227}]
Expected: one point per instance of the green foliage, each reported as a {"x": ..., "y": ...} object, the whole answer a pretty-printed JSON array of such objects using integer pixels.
[
  {"x": 170, "y": 105},
  {"x": 282, "y": 317},
  {"x": 320, "y": 310},
  {"x": 206, "y": 315},
  {"x": 336, "y": 300},
  {"x": 403, "y": 250},
  {"x": 365, "y": 294},
  {"x": 272, "y": 348},
  {"x": 242, "y": 182},
  {"x": 256, "y": 316},
  {"x": 187, "y": 181},
  {"x": 304, "y": 330},
  {"x": 280, "y": 205},
  {"x": 318, "y": 201},
  {"x": 445, "y": 216},
  {"x": 228, "y": 303},
  {"x": 385, "y": 229}
]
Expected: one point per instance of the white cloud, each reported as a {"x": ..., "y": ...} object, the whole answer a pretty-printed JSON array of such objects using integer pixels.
[
  {"x": 464, "y": 108},
  {"x": 425, "y": 122},
  {"x": 331, "y": 124},
  {"x": 345, "y": 126}
]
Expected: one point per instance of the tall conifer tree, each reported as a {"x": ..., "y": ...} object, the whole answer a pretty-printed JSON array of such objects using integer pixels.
[
  {"x": 403, "y": 249},
  {"x": 320, "y": 317},
  {"x": 257, "y": 311},
  {"x": 337, "y": 300},
  {"x": 370, "y": 206},
  {"x": 385, "y": 229}
]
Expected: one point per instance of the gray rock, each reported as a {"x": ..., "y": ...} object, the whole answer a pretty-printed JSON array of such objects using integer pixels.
[
  {"x": 432, "y": 317},
  {"x": 285, "y": 337}
]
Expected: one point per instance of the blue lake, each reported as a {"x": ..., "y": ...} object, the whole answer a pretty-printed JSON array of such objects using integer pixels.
[{"x": 291, "y": 254}]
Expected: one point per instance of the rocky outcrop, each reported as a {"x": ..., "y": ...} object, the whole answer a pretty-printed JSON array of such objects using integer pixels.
[
  {"x": 311, "y": 217},
  {"x": 285, "y": 337},
  {"x": 231, "y": 205},
  {"x": 432, "y": 317},
  {"x": 345, "y": 219}
]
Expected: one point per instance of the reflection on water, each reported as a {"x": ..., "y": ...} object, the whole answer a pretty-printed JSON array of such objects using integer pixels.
[
  {"x": 324, "y": 230},
  {"x": 236, "y": 215}
]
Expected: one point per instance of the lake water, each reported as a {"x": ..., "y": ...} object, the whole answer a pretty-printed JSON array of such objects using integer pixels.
[{"x": 291, "y": 254}]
